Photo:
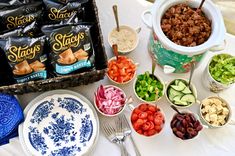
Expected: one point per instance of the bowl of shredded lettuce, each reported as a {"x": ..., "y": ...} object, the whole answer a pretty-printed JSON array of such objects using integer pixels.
[
  {"x": 220, "y": 72},
  {"x": 222, "y": 68}
]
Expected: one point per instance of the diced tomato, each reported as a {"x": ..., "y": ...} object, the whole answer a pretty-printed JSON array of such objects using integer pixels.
[
  {"x": 136, "y": 126},
  {"x": 134, "y": 117},
  {"x": 140, "y": 122},
  {"x": 143, "y": 107},
  {"x": 137, "y": 111},
  {"x": 146, "y": 133},
  {"x": 158, "y": 115},
  {"x": 143, "y": 115},
  {"x": 129, "y": 70},
  {"x": 120, "y": 79},
  {"x": 151, "y": 125},
  {"x": 145, "y": 120},
  {"x": 140, "y": 131},
  {"x": 122, "y": 67},
  {"x": 114, "y": 67},
  {"x": 126, "y": 78},
  {"x": 115, "y": 74},
  {"x": 146, "y": 126},
  {"x": 133, "y": 66},
  {"x": 151, "y": 132},
  {"x": 157, "y": 121},
  {"x": 158, "y": 128},
  {"x": 152, "y": 108},
  {"x": 122, "y": 72},
  {"x": 149, "y": 112},
  {"x": 150, "y": 117}
]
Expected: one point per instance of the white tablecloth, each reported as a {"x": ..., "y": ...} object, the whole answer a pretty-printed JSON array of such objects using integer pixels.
[{"x": 210, "y": 142}]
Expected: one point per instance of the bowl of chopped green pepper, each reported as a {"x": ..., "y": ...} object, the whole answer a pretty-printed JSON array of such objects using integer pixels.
[
  {"x": 220, "y": 72},
  {"x": 148, "y": 87}
]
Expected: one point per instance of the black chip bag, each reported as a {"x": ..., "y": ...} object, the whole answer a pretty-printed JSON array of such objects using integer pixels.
[
  {"x": 15, "y": 33},
  {"x": 71, "y": 47},
  {"x": 32, "y": 30},
  {"x": 26, "y": 57},
  {"x": 66, "y": 1},
  {"x": 7, "y": 3},
  {"x": 19, "y": 16},
  {"x": 56, "y": 12}
]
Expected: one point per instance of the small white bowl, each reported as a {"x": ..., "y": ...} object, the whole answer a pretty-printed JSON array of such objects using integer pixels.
[
  {"x": 192, "y": 87},
  {"x": 135, "y": 33},
  {"x": 132, "y": 107},
  {"x": 113, "y": 115},
  {"x": 229, "y": 120},
  {"x": 163, "y": 90},
  {"x": 210, "y": 83},
  {"x": 197, "y": 117},
  {"x": 117, "y": 83}
]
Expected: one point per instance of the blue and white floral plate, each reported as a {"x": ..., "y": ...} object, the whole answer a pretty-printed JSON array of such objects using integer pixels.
[{"x": 59, "y": 123}]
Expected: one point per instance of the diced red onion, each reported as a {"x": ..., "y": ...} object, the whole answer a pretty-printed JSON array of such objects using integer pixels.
[{"x": 109, "y": 100}]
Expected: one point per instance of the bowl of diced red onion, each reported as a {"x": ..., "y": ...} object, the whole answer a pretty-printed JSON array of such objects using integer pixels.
[{"x": 109, "y": 100}]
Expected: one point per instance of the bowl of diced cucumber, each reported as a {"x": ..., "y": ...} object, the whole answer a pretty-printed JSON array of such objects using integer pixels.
[
  {"x": 180, "y": 94},
  {"x": 148, "y": 88}
]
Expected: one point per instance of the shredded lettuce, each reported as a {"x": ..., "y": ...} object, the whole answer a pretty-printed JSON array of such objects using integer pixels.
[{"x": 222, "y": 68}]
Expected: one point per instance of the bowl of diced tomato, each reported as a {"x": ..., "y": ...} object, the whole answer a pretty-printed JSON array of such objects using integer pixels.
[
  {"x": 147, "y": 119},
  {"x": 121, "y": 70}
]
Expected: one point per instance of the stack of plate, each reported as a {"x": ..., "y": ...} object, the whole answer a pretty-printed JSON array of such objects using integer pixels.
[
  {"x": 59, "y": 123},
  {"x": 11, "y": 115}
]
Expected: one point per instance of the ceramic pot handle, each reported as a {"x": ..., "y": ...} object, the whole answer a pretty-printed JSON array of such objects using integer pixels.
[
  {"x": 147, "y": 21},
  {"x": 168, "y": 69},
  {"x": 219, "y": 47}
]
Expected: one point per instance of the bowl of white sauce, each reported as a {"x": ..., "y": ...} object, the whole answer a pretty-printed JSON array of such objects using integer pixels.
[{"x": 126, "y": 38}]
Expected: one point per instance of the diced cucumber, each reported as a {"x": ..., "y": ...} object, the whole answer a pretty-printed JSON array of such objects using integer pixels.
[
  {"x": 174, "y": 92},
  {"x": 177, "y": 82},
  {"x": 177, "y": 98},
  {"x": 178, "y": 88},
  {"x": 180, "y": 94},
  {"x": 181, "y": 103},
  {"x": 182, "y": 84},
  {"x": 171, "y": 97},
  {"x": 178, "y": 101},
  {"x": 186, "y": 90},
  {"x": 188, "y": 98}
]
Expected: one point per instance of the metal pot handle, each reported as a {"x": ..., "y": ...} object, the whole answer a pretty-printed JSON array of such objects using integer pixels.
[{"x": 147, "y": 21}]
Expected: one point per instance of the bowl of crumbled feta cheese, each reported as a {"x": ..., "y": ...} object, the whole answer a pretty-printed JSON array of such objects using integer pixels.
[
  {"x": 126, "y": 39},
  {"x": 216, "y": 112}
]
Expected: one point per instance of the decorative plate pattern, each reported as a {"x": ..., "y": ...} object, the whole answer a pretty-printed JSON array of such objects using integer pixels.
[{"x": 58, "y": 125}]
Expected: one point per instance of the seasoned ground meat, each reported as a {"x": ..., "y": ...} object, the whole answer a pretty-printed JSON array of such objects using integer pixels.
[{"x": 186, "y": 26}]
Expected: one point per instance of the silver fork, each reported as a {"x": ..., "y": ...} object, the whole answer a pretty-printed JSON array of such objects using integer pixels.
[
  {"x": 120, "y": 135},
  {"x": 110, "y": 133},
  {"x": 127, "y": 132}
]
